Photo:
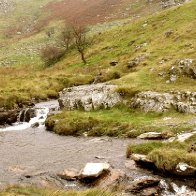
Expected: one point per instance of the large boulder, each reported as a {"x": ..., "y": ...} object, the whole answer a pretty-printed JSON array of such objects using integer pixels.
[{"x": 89, "y": 97}]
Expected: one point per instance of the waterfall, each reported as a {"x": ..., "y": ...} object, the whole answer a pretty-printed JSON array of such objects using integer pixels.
[{"x": 29, "y": 116}]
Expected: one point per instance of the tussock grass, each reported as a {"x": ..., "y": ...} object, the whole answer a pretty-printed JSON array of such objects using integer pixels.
[
  {"x": 167, "y": 159},
  {"x": 33, "y": 191},
  {"x": 166, "y": 156}
]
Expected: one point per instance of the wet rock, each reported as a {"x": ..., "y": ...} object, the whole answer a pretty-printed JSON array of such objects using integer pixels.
[
  {"x": 151, "y": 135},
  {"x": 89, "y": 97},
  {"x": 94, "y": 170},
  {"x": 35, "y": 125},
  {"x": 142, "y": 160},
  {"x": 8, "y": 117},
  {"x": 69, "y": 174},
  {"x": 184, "y": 169},
  {"x": 139, "y": 185},
  {"x": 114, "y": 179},
  {"x": 26, "y": 114}
]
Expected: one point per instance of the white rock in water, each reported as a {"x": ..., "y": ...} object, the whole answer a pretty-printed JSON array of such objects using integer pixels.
[{"x": 94, "y": 170}]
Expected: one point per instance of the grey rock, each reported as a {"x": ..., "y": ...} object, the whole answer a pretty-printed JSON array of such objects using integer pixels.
[
  {"x": 160, "y": 102},
  {"x": 89, "y": 97}
]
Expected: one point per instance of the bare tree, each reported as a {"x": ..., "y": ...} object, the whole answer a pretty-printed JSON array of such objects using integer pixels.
[
  {"x": 80, "y": 40},
  {"x": 67, "y": 37}
]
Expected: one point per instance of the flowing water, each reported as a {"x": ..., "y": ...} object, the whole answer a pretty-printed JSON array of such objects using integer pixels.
[{"x": 27, "y": 152}]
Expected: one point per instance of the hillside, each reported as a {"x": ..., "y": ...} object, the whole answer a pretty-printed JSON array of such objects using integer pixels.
[{"x": 153, "y": 45}]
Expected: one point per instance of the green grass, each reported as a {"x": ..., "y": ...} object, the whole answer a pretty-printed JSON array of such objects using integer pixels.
[
  {"x": 118, "y": 121},
  {"x": 166, "y": 156},
  {"x": 33, "y": 191}
]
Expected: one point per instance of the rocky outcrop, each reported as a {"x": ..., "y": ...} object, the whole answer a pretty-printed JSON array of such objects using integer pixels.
[
  {"x": 160, "y": 102},
  {"x": 89, "y": 97},
  {"x": 8, "y": 117},
  {"x": 182, "y": 68},
  {"x": 170, "y": 3}
]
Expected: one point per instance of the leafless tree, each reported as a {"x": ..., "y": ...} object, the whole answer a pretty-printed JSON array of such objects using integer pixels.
[
  {"x": 67, "y": 37},
  {"x": 80, "y": 40}
]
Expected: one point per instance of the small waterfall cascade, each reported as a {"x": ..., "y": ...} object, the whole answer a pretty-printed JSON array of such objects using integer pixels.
[{"x": 29, "y": 117}]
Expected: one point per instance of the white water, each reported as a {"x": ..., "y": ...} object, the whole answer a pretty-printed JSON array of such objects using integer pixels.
[{"x": 42, "y": 110}]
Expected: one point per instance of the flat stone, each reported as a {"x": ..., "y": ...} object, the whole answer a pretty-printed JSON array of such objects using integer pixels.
[
  {"x": 151, "y": 135},
  {"x": 94, "y": 170}
]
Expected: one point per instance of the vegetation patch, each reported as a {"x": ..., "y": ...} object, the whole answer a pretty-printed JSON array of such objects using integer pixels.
[
  {"x": 34, "y": 191},
  {"x": 166, "y": 155},
  {"x": 118, "y": 121}
]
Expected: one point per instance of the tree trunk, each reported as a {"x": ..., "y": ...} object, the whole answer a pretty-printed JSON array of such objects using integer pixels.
[{"x": 82, "y": 57}]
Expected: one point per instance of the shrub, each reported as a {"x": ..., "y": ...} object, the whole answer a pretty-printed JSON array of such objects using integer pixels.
[{"x": 51, "y": 55}]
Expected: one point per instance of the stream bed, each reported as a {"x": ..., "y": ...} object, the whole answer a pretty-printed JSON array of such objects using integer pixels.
[{"x": 34, "y": 155}]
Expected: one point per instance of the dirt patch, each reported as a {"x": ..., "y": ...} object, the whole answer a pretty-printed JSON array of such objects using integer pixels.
[{"x": 96, "y": 11}]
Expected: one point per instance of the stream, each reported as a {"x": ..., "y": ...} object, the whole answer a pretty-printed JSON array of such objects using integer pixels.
[{"x": 34, "y": 156}]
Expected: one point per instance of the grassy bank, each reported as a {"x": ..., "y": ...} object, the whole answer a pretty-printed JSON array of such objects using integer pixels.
[
  {"x": 119, "y": 121},
  {"x": 32, "y": 191},
  {"x": 166, "y": 156}
]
